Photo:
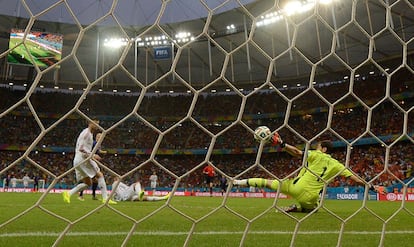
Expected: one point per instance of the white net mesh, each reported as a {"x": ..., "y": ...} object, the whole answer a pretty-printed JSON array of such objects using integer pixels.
[{"x": 172, "y": 100}]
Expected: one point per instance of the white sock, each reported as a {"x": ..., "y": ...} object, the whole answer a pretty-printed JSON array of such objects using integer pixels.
[
  {"x": 137, "y": 187},
  {"x": 242, "y": 182},
  {"x": 78, "y": 188},
  {"x": 102, "y": 186},
  {"x": 155, "y": 198}
]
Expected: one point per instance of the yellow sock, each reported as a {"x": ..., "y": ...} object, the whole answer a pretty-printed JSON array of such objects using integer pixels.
[
  {"x": 262, "y": 183},
  {"x": 257, "y": 182},
  {"x": 274, "y": 185}
]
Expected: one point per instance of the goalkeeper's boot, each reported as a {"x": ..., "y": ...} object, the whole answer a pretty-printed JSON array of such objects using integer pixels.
[
  {"x": 308, "y": 210},
  {"x": 66, "y": 196},
  {"x": 292, "y": 208},
  {"x": 141, "y": 195}
]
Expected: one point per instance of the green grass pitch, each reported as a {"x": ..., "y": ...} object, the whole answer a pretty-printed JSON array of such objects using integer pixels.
[{"x": 214, "y": 221}]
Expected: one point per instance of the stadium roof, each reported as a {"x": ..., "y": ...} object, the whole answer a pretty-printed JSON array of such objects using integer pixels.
[
  {"x": 129, "y": 12},
  {"x": 323, "y": 43}
]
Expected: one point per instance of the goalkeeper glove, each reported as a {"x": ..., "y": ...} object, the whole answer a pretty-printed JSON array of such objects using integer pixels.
[{"x": 277, "y": 140}]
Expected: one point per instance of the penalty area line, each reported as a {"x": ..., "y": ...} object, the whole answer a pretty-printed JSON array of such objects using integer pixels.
[{"x": 165, "y": 233}]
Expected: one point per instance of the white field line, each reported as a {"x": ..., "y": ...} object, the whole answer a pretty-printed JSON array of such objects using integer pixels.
[{"x": 165, "y": 233}]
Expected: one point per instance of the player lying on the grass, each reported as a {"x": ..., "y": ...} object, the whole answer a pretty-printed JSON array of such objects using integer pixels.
[
  {"x": 307, "y": 185},
  {"x": 133, "y": 192}
]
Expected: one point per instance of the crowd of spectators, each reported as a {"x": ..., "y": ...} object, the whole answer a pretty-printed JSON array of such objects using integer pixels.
[
  {"x": 212, "y": 124},
  {"x": 365, "y": 161},
  {"x": 131, "y": 134}
]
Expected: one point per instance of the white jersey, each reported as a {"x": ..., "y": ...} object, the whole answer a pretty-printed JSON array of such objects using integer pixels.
[
  {"x": 123, "y": 192},
  {"x": 26, "y": 180},
  {"x": 84, "y": 145},
  {"x": 153, "y": 178},
  {"x": 13, "y": 182}
]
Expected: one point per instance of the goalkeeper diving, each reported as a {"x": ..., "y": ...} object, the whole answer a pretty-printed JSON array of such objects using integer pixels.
[{"x": 307, "y": 185}]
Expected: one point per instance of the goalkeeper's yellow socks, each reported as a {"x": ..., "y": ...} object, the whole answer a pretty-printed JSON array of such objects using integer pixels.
[
  {"x": 257, "y": 182},
  {"x": 274, "y": 185}
]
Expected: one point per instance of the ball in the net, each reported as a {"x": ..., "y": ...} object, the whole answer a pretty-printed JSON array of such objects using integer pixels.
[{"x": 262, "y": 133}]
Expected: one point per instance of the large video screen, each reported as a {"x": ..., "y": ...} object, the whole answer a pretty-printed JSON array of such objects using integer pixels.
[{"x": 45, "y": 48}]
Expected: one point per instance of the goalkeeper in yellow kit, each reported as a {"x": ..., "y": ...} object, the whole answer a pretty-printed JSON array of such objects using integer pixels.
[{"x": 307, "y": 185}]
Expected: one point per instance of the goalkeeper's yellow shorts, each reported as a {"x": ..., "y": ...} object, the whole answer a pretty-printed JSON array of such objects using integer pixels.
[{"x": 308, "y": 200}]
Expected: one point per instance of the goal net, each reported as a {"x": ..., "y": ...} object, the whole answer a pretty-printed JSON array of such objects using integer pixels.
[{"x": 179, "y": 85}]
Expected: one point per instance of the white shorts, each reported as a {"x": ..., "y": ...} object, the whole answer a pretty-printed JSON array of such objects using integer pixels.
[
  {"x": 86, "y": 169},
  {"x": 153, "y": 185}
]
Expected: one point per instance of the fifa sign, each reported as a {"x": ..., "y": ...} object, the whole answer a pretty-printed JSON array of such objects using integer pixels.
[{"x": 162, "y": 52}]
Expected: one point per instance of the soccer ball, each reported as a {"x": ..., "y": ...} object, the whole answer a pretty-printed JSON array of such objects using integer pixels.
[{"x": 262, "y": 133}]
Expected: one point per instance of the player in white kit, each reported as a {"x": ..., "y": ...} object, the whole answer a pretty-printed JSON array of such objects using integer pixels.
[
  {"x": 87, "y": 169},
  {"x": 153, "y": 181},
  {"x": 26, "y": 180},
  {"x": 133, "y": 192}
]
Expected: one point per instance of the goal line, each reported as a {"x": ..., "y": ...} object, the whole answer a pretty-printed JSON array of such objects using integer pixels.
[{"x": 170, "y": 233}]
